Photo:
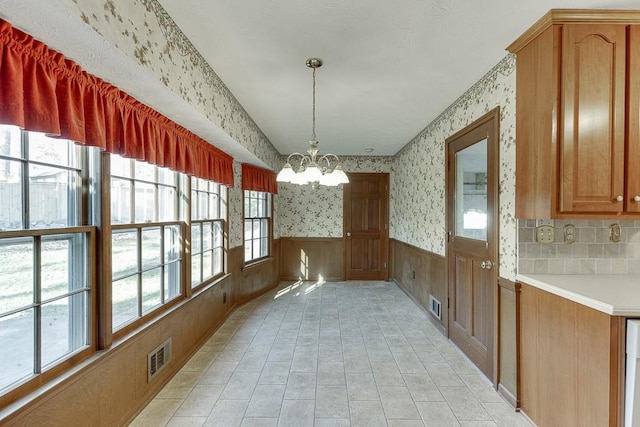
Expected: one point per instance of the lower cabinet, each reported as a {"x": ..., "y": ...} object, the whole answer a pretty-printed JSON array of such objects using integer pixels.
[{"x": 571, "y": 362}]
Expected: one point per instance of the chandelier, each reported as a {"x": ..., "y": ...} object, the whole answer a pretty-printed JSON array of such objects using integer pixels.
[{"x": 312, "y": 168}]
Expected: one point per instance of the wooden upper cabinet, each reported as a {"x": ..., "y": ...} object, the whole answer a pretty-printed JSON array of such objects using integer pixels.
[
  {"x": 577, "y": 146},
  {"x": 592, "y": 118},
  {"x": 632, "y": 191}
]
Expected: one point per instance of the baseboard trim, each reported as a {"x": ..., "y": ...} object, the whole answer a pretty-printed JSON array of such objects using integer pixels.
[
  {"x": 432, "y": 319},
  {"x": 509, "y": 397}
]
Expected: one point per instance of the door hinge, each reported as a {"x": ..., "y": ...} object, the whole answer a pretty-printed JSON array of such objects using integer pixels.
[{"x": 447, "y": 303}]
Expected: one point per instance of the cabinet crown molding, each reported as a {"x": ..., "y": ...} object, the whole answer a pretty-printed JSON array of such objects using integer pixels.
[{"x": 574, "y": 16}]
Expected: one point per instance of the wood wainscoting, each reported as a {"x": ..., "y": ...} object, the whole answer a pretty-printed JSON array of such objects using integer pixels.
[
  {"x": 419, "y": 273},
  {"x": 507, "y": 340},
  {"x": 111, "y": 387},
  {"x": 307, "y": 258}
]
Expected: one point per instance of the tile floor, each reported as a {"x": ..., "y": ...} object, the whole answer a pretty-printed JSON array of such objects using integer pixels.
[{"x": 332, "y": 354}]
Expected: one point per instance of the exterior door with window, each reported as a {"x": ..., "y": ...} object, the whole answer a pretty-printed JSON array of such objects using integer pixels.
[
  {"x": 366, "y": 226},
  {"x": 472, "y": 204}
]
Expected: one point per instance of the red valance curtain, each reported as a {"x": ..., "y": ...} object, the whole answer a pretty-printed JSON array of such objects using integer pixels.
[
  {"x": 258, "y": 179},
  {"x": 42, "y": 91}
]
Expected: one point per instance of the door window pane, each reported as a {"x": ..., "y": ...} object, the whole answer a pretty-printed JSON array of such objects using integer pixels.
[{"x": 471, "y": 192}]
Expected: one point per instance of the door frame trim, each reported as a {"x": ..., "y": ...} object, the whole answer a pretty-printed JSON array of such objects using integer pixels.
[{"x": 493, "y": 152}]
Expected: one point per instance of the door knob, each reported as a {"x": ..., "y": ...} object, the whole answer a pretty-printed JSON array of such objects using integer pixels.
[
  {"x": 487, "y": 265},
  {"x": 348, "y": 234},
  {"x": 636, "y": 199}
]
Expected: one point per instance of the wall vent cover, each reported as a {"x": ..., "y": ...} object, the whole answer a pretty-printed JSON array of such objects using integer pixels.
[
  {"x": 158, "y": 359},
  {"x": 435, "y": 307}
]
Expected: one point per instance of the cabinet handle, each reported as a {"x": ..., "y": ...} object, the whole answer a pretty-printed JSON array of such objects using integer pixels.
[
  {"x": 618, "y": 199},
  {"x": 636, "y": 199}
]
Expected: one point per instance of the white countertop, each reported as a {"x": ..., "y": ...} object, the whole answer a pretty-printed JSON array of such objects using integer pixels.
[{"x": 614, "y": 294}]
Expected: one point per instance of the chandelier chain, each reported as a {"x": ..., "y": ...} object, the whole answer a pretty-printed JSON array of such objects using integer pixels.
[{"x": 313, "y": 131}]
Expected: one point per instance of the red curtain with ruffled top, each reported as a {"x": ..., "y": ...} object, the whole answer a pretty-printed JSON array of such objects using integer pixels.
[
  {"x": 42, "y": 91},
  {"x": 258, "y": 179}
]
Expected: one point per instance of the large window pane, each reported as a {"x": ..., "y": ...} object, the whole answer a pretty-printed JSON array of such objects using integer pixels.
[
  {"x": 207, "y": 264},
  {"x": 53, "y": 151},
  {"x": 17, "y": 351},
  {"x": 124, "y": 253},
  {"x": 196, "y": 272},
  {"x": 151, "y": 253},
  {"x": 166, "y": 204},
  {"x": 55, "y": 261},
  {"x": 10, "y": 142},
  {"x": 120, "y": 166},
  {"x": 172, "y": 248},
  {"x": 151, "y": 289},
  {"x": 16, "y": 270},
  {"x": 120, "y": 200},
  {"x": 10, "y": 193},
  {"x": 52, "y": 193},
  {"x": 196, "y": 238},
  {"x": 63, "y": 327},
  {"x": 125, "y": 300},
  {"x": 144, "y": 171},
  {"x": 206, "y": 236},
  {"x": 145, "y": 202}
]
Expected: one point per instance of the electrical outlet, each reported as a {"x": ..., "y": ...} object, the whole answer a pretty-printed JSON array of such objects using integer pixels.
[
  {"x": 614, "y": 233},
  {"x": 544, "y": 234},
  {"x": 569, "y": 233}
]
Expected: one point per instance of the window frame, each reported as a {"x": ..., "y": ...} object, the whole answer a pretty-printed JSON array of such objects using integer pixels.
[
  {"x": 142, "y": 317},
  {"x": 268, "y": 198},
  {"x": 81, "y": 259},
  {"x": 221, "y": 195}
]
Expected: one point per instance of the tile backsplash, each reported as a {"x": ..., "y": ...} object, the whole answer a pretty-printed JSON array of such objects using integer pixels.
[{"x": 591, "y": 253}]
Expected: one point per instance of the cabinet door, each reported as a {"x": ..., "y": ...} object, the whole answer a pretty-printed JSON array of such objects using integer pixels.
[
  {"x": 633, "y": 137},
  {"x": 593, "y": 113}
]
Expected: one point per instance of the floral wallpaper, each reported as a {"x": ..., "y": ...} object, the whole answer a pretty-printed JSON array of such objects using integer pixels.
[
  {"x": 418, "y": 173},
  {"x": 143, "y": 30},
  {"x": 318, "y": 213}
]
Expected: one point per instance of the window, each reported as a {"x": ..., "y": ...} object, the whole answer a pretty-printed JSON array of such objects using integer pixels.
[
  {"x": 146, "y": 241},
  {"x": 208, "y": 213},
  {"x": 47, "y": 293},
  {"x": 257, "y": 218}
]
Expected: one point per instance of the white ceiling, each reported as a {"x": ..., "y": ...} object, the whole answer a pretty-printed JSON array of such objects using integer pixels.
[{"x": 390, "y": 66}]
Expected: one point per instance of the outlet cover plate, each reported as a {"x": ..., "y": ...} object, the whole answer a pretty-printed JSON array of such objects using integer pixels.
[{"x": 544, "y": 234}]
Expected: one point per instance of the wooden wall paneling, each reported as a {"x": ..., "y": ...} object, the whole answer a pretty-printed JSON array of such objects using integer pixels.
[
  {"x": 593, "y": 368},
  {"x": 430, "y": 276},
  {"x": 507, "y": 340},
  {"x": 528, "y": 351},
  {"x": 307, "y": 258}
]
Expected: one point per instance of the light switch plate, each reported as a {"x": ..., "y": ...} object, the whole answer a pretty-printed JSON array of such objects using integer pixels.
[{"x": 544, "y": 234}]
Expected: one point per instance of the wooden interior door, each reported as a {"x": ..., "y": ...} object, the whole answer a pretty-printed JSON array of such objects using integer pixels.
[
  {"x": 366, "y": 226},
  {"x": 472, "y": 223}
]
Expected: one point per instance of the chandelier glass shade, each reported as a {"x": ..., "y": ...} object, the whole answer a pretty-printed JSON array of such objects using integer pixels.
[{"x": 313, "y": 168}]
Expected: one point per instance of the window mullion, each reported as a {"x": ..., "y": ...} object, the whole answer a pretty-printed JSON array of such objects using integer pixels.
[
  {"x": 139, "y": 276},
  {"x": 25, "y": 179},
  {"x": 37, "y": 307}
]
